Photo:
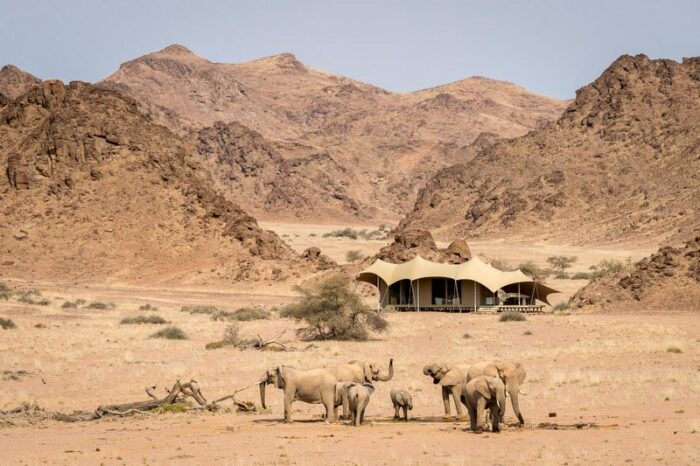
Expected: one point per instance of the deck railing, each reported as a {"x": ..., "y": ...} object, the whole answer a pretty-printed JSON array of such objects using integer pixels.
[{"x": 527, "y": 308}]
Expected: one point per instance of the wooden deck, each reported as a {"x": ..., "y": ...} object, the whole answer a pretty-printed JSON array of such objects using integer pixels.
[{"x": 529, "y": 309}]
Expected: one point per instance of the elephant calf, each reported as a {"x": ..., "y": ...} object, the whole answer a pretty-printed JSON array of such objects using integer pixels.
[
  {"x": 358, "y": 398},
  {"x": 401, "y": 399},
  {"x": 482, "y": 393}
]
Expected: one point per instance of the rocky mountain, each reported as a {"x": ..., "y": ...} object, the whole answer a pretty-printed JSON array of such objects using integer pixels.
[
  {"x": 622, "y": 162},
  {"x": 668, "y": 280},
  {"x": 96, "y": 191},
  {"x": 375, "y": 147},
  {"x": 15, "y": 82}
]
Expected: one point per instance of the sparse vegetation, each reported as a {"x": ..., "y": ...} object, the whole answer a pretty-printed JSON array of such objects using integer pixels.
[
  {"x": 562, "y": 276},
  {"x": 561, "y": 263},
  {"x": 674, "y": 349},
  {"x": 353, "y": 255},
  {"x": 170, "y": 333},
  {"x": 533, "y": 270},
  {"x": 333, "y": 311},
  {"x": 32, "y": 296},
  {"x": 7, "y": 324},
  {"x": 147, "y": 307},
  {"x": 100, "y": 306},
  {"x": 466, "y": 336},
  {"x": 138, "y": 320},
  {"x": 500, "y": 264},
  {"x": 581, "y": 276},
  {"x": 527, "y": 332},
  {"x": 354, "y": 234},
  {"x": 561, "y": 307},
  {"x": 605, "y": 268},
  {"x": 511, "y": 316},
  {"x": 5, "y": 292},
  {"x": 242, "y": 314}
]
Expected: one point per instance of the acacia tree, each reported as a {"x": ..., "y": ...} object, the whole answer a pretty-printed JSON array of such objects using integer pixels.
[
  {"x": 561, "y": 263},
  {"x": 333, "y": 311}
]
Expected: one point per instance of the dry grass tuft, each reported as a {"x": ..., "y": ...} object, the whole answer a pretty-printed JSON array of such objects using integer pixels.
[
  {"x": 674, "y": 349},
  {"x": 170, "y": 333},
  {"x": 7, "y": 324},
  {"x": 511, "y": 316},
  {"x": 138, "y": 320}
]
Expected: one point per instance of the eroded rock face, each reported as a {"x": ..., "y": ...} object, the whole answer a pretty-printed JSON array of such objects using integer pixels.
[
  {"x": 615, "y": 161},
  {"x": 416, "y": 242},
  {"x": 314, "y": 256},
  {"x": 15, "y": 82},
  {"x": 119, "y": 195}
]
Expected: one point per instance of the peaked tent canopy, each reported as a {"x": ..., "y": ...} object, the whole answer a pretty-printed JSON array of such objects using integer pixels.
[{"x": 475, "y": 270}]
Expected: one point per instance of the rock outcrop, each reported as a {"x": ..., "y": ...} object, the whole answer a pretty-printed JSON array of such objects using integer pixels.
[
  {"x": 415, "y": 242},
  {"x": 103, "y": 193},
  {"x": 15, "y": 82},
  {"x": 668, "y": 280}
]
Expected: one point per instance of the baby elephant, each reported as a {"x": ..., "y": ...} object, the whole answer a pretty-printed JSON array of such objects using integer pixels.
[
  {"x": 481, "y": 393},
  {"x": 358, "y": 399},
  {"x": 400, "y": 398}
]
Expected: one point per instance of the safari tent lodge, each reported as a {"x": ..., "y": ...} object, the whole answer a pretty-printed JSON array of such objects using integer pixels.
[{"x": 422, "y": 285}]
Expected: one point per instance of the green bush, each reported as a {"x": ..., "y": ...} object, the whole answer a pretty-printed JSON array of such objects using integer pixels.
[
  {"x": 242, "y": 314},
  {"x": 353, "y": 255},
  {"x": 562, "y": 276},
  {"x": 138, "y": 320},
  {"x": 100, "y": 306},
  {"x": 511, "y": 316},
  {"x": 561, "y": 263},
  {"x": 531, "y": 269},
  {"x": 7, "y": 324},
  {"x": 333, "y": 311},
  {"x": 147, "y": 307},
  {"x": 605, "y": 268},
  {"x": 674, "y": 349},
  {"x": 170, "y": 333},
  {"x": 581, "y": 276}
]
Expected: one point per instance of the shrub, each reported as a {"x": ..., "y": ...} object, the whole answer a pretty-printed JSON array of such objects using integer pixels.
[
  {"x": 138, "y": 320},
  {"x": 353, "y": 255},
  {"x": 28, "y": 296},
  {"x": 510, "y": 316},
  {"x": 69, "y": 305},
  {"x": 249, "y": 313},
  {"x": 231, "y": 338},
  {"x": 527, "y": 332},
  {"x": 7, "y": 324},
  {"x": 344, "y": 233},
  {"x": 43, "y": 302},
  {"x": 500, "y": 264},
  {"x": 531, "y": 269},
  {"x": 4, "y": 291},
  {"x": 100, "y": 306},
  {"x": 561, "y": 263},
  {"x": 562, "y": 276},
  {"x": 200, "y": 309},
  {"x": 605, "y": 268},
  {"x": 561, "y": 307},
  {"x": 172, "y": 408},
  {"x": 466, "y": 336},
  {"x": 170, "y": 333},
  {"x": 333, "y": 311},
  {"x": 581, "y": 276},
  {"x": 674, "y": 349},
  {"x": 147, "y": 307}
]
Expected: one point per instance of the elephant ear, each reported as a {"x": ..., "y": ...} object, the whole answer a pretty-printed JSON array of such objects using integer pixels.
[
  {"x": 367, "y": 369},
  {"x": 482, "y": 386},
  {"x": 280, "y": 376}
]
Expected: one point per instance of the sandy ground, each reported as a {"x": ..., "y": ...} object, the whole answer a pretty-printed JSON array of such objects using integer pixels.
[{"x": 612, "y": 371}]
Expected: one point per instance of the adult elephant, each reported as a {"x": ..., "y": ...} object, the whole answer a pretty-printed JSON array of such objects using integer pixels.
[
  {"x": 511, "y": 373},
  {"x": 310, "y": 386},
  {"x": 450, "y": 378},
  {"x": 361, "y": 372}
]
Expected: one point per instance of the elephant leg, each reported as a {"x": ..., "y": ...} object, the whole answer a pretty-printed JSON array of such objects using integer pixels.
[
  {"x": 328, "y": 400},
  {"x": 405, "y": 413},
  {"x": 456, "y": 398},
  {"x": 495, "y": 419},
  {"x": 346, "y": 408},
  {"x": 396, "y": 409},
  {"x": 480, "y": 404},
  {"x": 446, "y": 402},
  {"x": 472, "y": 417},
  {"x": 288, "y": 400}
]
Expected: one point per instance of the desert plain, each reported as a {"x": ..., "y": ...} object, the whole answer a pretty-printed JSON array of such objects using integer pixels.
[{"x": 601, "y": 388}]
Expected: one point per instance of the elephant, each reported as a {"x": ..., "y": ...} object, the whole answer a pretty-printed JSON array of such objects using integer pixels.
[
  {"x": 511, "y": 373},
  {"x": 481, "y": 393},
  {"x": 358, "y": 398},
  {"x": 310, "y": 386},
  {"x": 361, "y": 372},
  {"x": 450, "y": 378},
  {"x": 401, "y": 399}
]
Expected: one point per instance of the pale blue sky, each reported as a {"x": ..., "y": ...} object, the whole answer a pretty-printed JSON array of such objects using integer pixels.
[{"x": 551, "y": 47}]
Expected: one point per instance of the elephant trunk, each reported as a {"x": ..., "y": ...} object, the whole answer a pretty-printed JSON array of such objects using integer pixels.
[
  {"x": 262, "y": 393},
  {"x": 383, "y": 377},
  {"x": 516, "y": 407},
  {"x": 501, "y": 398}
]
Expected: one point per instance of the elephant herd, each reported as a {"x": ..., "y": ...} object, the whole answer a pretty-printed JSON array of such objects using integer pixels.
[{"x": 479, "y": 387}]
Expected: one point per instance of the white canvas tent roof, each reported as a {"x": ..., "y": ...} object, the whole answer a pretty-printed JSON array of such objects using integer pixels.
[{"x": 474, "y": 269}]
